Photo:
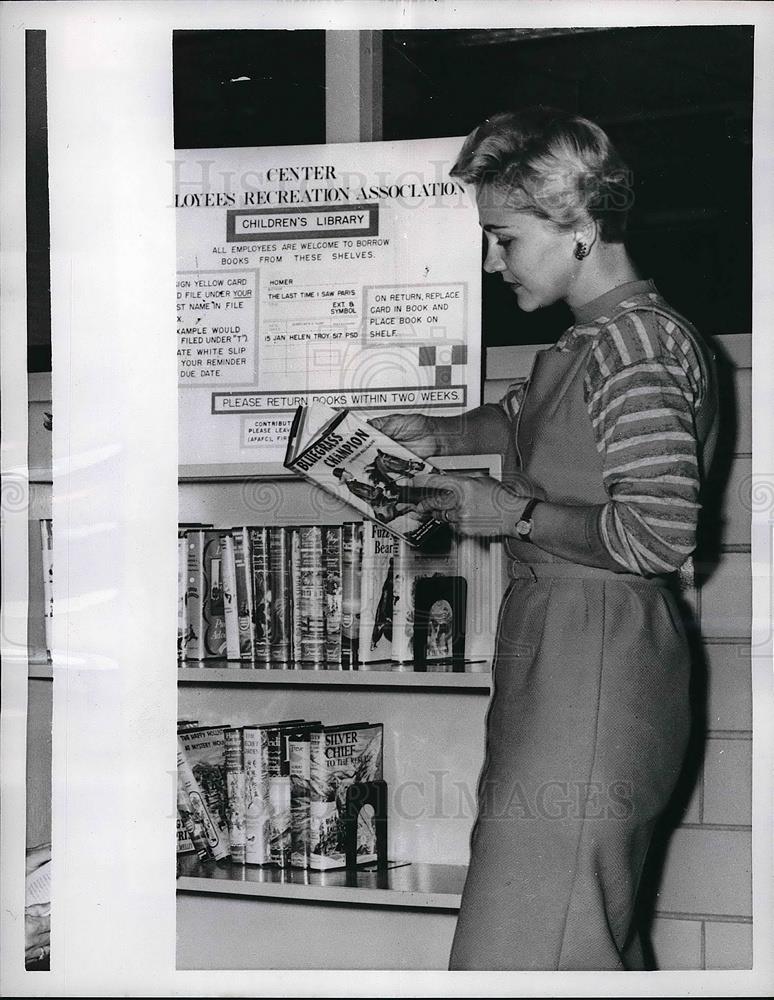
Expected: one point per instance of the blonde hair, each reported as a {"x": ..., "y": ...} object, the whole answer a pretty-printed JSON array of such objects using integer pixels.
[{"x": 552, "y": 164}]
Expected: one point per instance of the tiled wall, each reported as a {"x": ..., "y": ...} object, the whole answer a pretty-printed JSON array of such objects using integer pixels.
[{"x": 702, "y": 901}]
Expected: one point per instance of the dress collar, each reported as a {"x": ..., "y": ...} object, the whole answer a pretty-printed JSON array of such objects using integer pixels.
[{"x": 605, "y": 304}]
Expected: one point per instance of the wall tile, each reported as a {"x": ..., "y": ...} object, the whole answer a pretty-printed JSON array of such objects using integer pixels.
[
  {"x": 726, "y": 598},
  {"x": 729, "y": 686},
  {"x": 707, "y": 871},
  {"x": 728, "y": 781},
  {"x": 676, "y": 943},
  {"x": 728, "y": 946}
]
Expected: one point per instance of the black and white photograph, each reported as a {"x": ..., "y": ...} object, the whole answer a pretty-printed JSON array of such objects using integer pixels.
[{"x": 408, "y": 609}]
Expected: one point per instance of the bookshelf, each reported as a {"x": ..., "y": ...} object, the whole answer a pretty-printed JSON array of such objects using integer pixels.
[{"x": 433, "y": 752}]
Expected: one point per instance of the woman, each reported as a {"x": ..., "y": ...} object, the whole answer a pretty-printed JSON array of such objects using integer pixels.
[{"x": 604, "y": 455}]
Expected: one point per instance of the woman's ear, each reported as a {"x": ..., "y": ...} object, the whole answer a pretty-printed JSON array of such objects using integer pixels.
[{"x": 587, "y": 234}]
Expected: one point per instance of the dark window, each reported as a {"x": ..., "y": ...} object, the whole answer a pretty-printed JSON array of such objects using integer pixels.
[{"x": 248, "y": 88}]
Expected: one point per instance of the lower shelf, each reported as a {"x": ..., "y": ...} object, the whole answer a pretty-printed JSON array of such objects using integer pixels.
[{"x": 415, "y": 885}]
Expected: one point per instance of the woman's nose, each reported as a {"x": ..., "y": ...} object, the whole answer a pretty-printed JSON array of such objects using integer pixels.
[{"x": 493, "y": 261}]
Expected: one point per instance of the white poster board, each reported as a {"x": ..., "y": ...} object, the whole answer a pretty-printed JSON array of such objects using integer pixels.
[{"x": 343, "y": 273}]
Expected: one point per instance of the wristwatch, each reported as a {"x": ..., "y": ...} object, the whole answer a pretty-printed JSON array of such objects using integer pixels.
[{"x": 524, "y": 524}]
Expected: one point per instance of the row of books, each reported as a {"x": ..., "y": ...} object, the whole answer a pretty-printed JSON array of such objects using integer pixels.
[
  {"x": 274, "y": 794},
  {"x": 335, "y": 597}
]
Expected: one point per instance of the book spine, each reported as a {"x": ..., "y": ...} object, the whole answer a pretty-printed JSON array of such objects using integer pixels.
[
  {"x": 262, "y": 595},
  {"x": 376, "y": 606},
  {"x": 299, "y": 751},
  {"x": 47, "y": 555},
  {"x": 200, "y": 808},
  {"x": 295, "y": 598},
  {"x": 311, "y": 617},
  {"x": 332, "y": 566},
  {"x": 257, "y": 813},
  {"x": 193, "y": 644},
  {"x": 280, "y": 601},
  {"x": 403, "y": 608},
  {"x": 351, "y": 553},
  {"x": 213, "y": 611},
  {"x": 235, "y": 789},
  {"x": 244, "y": 593},
  {"x": 279, "y": 797},
  {"x": 230, "y": 613}
]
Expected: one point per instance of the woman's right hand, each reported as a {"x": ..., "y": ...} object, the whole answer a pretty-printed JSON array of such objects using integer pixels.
[{"x": 414, "y": 430}]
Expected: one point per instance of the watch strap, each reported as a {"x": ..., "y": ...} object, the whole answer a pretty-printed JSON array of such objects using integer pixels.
[{"x": 526, "y": 520}]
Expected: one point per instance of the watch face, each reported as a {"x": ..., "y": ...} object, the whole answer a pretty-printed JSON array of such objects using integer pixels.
[{"x": 523, "y": 527}]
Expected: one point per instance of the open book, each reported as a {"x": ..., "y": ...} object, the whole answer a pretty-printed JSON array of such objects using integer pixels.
[{"x": 344, "y": 455}]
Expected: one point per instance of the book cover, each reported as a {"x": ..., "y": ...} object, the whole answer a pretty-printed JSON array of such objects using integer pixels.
[
  {"x": 213, "y": 609},
  {"x": 230, "y": 615},
  {"x": 182, "y": 557},
  {"x": 235, "y": 790},
  {"x": 339, "y": 756},
  {"x": 193, "y": 640},
  {"x": 244, "y": 592},
  {"x": 199, "y": 807},
  {"x": 332, "y": 572},
  {"x": 279, "y": 598},
  {"x": 205, "y": 750},
  {"x": 47, "y": 554},
  {"x": 191, "y": 833},
  {"x": 351, "y": 559},
  {"x": 411, "y": 566},
  {"x": 262, "y": 597},
  {"x": 344, "y": 455},
  {"x": 376, "y": 602},
  {"x": 439, "y": 623}
]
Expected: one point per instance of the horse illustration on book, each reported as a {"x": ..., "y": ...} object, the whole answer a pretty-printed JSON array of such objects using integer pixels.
[{"x": 387, "y": 500}]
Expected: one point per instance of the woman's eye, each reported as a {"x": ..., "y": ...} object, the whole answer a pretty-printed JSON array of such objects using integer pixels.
[{"x": 504, "y": 241}]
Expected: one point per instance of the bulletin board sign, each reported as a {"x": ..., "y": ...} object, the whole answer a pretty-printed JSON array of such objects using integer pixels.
[{"x": 345, "y": 273}]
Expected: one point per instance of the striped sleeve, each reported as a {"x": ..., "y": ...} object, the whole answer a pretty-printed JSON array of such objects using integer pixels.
[
  {"x": 643, "y": 384},
  {"x": 512, "y": 400}
]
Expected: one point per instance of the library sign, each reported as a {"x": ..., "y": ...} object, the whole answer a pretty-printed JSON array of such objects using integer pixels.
[{"x": 347, "y": 274}]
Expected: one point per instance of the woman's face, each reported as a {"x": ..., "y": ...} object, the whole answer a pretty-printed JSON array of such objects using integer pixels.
[{"x": 532, "y": 256}]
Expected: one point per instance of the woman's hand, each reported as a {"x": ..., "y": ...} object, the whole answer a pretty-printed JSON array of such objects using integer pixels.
[
  {"x": 474, "y": 506},
  {"x": 37, "y": 932},
  {"x": 37, "y": 916},
  {"x": 414, "y": 430}
]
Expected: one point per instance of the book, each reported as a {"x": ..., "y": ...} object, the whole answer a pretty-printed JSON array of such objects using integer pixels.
[
  {"x": 279, "y": 598},
  {"x": 339, "y": 757},
  {"x": 376, "y": 602},
  {"x": 411, "y": 566},
  {"x": 309, "y": 602},
  {"x": 193, "y": 639},
  {"x": 205, "y": 751},
  {"x": 347, "y": 457},
  {"x": 332, "y": 573},
  {"x": 244, "y": 593},
  {"x": 258, "y": 827},
  {"x": 196, "y": 803},
  {"x": 213, "y": 610},
  {"x": 235, "y": 791},
  {"x": 280, "y": 791},
  {"x": 261, "y": 595},
  {"x": 439, "y": 623},
  {"x": 230, "y": 615},
  {"x": 351, "y": 577},
  {"x": 300, "y": 792},
  {"x": 47, "y": 552}
]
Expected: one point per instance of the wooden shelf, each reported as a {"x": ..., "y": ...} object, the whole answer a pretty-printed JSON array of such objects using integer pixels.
[
  {"x": 238, "y": 673},
  {"x": 410, "y": 886}
]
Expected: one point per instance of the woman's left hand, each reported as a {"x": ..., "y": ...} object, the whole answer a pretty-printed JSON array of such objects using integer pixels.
[{"x": 474, "y": 506}]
